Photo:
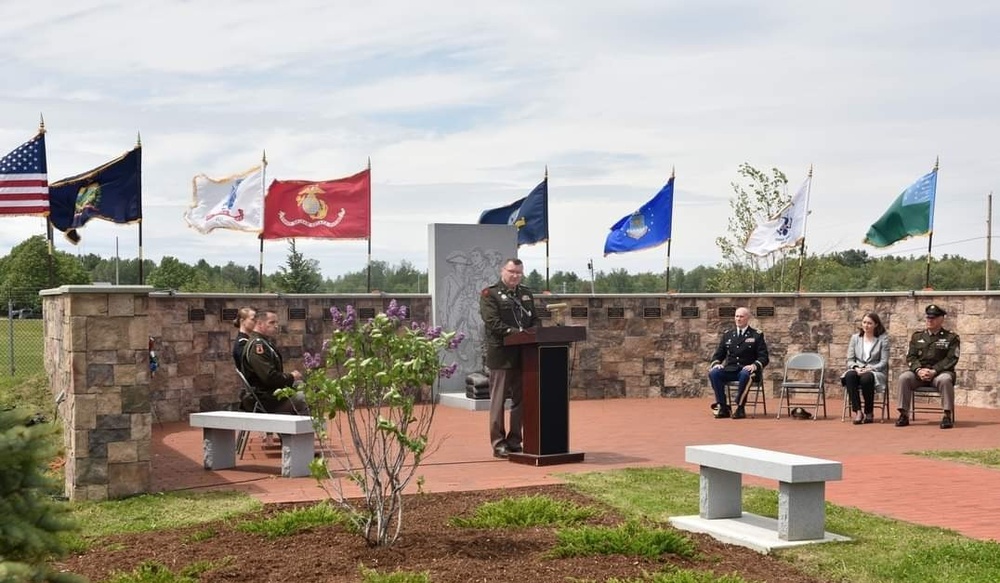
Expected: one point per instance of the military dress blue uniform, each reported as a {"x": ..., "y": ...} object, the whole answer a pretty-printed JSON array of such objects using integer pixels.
[{"x": 736, "y": 350}]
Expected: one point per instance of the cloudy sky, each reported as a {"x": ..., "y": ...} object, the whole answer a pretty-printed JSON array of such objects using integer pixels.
[{"x": 462, "y": 105}]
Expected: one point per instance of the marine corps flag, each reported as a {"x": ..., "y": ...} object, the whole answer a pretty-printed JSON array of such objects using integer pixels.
[
  {"x": 112, "y": 192},
  {"x": 334, "y": 209}
]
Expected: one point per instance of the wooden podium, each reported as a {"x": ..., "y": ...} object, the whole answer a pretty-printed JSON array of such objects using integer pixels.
[{"x": 545, "y": 360}]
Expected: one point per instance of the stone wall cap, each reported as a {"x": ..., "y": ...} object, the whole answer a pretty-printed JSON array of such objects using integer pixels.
[{"x": 97, "y": 288}]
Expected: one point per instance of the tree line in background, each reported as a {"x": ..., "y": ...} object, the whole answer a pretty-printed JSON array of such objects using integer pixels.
[{"x": 26, "y": 269}]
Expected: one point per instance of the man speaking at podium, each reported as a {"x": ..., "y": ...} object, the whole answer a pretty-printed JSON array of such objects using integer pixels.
[{"x": 507, "y": 307}]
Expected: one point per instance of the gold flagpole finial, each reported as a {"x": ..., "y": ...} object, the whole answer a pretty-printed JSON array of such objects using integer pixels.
[
  {"x": 546, "y": 172},
  {"x": 369, "y": 162},
  {"x": 810, "y": 170},
  {"x": 263, "y": 157},
  {"x": 138, "y": 139},
  {"x": 41, "y": 123},
  {"x": 937, "y": 159},
  {"x": 673, "y": 172}
]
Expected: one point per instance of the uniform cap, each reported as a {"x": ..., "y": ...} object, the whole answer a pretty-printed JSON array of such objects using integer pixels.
[{"x": 934, "y": 310}]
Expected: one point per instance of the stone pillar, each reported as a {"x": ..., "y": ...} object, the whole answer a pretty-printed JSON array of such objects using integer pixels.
[{"x": 97, "y": 360}]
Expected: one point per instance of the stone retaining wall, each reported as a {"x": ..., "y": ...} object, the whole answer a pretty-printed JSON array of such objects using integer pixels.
[{"x": 638, "y": 346}]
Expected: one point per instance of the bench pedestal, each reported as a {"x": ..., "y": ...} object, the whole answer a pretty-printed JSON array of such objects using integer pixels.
[
  {"x": 220, "y": 428},
  {"x": 801, "y": 496}
]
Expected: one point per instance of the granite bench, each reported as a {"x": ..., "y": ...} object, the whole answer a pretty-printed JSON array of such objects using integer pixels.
[
  {"x": 220, "y": 428},
  {"x": 801, "y": 485}
]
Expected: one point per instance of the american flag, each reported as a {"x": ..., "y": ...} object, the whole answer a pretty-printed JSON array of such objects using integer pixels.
[{"x": 24, "y": 184}]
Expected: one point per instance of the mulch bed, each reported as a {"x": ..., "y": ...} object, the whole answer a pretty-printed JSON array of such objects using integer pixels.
[{"x": 428, "y": 543}]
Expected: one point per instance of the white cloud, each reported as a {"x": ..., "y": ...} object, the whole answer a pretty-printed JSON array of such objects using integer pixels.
[{"x": 461, "y": 107}]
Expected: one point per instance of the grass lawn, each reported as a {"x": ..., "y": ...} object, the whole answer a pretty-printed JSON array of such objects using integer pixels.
[
  {"x": 21, "y": 341},
  {"x": 881, "y": 549}
]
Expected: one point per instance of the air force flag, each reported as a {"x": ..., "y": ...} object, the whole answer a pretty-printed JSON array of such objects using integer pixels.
[{"x": 647, "y": 227}]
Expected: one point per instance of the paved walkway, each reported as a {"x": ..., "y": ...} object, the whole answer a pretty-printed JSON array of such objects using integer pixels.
[{"x": 878, "y": 476}]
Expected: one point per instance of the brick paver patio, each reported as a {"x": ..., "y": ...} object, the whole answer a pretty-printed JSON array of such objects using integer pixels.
[{"x": 878, "y": 475}]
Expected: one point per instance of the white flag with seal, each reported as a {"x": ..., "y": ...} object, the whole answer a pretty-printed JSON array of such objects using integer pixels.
[
  {"x": 783, "y": 230},
  {"x": 235, "y": 202}
]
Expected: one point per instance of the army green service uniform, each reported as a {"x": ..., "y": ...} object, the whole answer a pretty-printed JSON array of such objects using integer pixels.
[
  {"x": 938, "y": 351},
  {"x": 264, "y": 370},
  {"x": 505, "y": 312}
]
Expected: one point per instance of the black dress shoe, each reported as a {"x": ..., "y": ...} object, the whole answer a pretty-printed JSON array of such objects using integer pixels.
[
  {"x": 723, "y": 413},
  {"x": 500, "y": 451},
  {"x": 903, "y": 420},
  {"x": 514, "y": 448},
  {"x": 946, "y": 422},
  {"x": 869, "y": 418},
  {"x": 739, "y": 413}
]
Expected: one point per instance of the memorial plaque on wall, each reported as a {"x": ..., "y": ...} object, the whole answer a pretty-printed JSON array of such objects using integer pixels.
[
  {"x": 651, "y": 312},
  {"x": 690, "y": 312},
  {"x": 366, "y": 313},
  {"x": 727, "y": 312},
  {"x": 196, "y": 315},
  {"x": 296, "y": 313},
  {"x": 229, "y": 314},
  {"x": 765, "y": 311},
  {"x": 578, "y": 312},
  {"x": 616, "y": 313}
]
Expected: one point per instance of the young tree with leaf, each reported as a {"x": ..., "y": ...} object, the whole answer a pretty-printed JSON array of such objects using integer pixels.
[{"x": 758, "y": 196}]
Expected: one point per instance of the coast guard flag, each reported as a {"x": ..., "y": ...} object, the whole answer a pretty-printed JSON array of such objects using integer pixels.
[
  {"x": 333, "y": 209},
  {"x": 647, "y": 227},
  {"x": 530, "y": 215},
  {"x": 912, "y": 213},
  {"x": 785, "y": 229},
  {"x": 235, "y": 202},
  {"x": 112, "y": 192},
  {"x": 24, "y": 183}
]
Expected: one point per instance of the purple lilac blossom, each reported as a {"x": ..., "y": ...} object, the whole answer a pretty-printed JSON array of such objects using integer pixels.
[{"x": 312, "y": 361}]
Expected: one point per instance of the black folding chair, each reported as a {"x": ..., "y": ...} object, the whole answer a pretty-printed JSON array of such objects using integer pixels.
[
  {"x": 880, "y": 402},
  {"x": 752, "y": 396},
  {"x": 247, "y": 397}
]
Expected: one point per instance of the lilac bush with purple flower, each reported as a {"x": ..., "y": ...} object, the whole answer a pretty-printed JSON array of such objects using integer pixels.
[{"x": 374, "y": 379}]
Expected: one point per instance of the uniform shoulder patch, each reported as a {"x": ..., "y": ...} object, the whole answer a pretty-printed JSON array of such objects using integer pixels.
[
  {"x": 260, "y": 348},
  {"x": 485, "y": 292}
]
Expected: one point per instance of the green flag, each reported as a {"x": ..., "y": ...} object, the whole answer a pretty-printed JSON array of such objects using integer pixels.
[{"x": 912, "y": 213}]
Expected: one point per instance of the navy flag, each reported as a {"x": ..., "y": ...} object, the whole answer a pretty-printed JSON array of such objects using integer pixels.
[
  {"x": 530, "y": 215},
  {"x": 647, "y": 227},
  {"x": 112, "y": 192}
]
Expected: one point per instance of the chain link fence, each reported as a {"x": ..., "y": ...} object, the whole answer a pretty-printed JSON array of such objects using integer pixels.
[{"x": 21, "y": 342}]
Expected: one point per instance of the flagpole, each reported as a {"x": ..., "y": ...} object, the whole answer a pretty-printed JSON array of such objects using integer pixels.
[
  {"x": 48, "y": 223},
  {"x": 668, "y": 266},
  {"x": 670, "y": 239},
  {"x": 930, "y": 233},
  {"x": 805, "y": 222},
  {"x": 260, "y": 236},
  {"x": 138, "y": 144},
  {"x": 370, "y": 224},
  {"x": 547, "y": 227},
  {"x": 989, "y": 236}
]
